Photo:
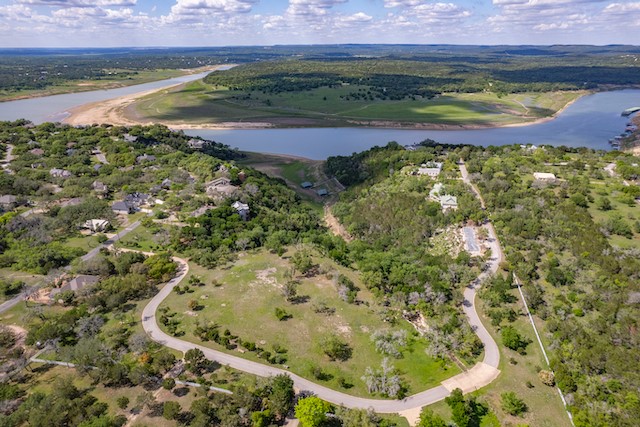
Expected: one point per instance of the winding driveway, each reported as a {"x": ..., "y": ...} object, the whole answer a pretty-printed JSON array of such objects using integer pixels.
[{"x": 478, "y": 376}]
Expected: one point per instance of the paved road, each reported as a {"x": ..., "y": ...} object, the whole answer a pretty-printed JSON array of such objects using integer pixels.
[{"x": 479, "y": 376}]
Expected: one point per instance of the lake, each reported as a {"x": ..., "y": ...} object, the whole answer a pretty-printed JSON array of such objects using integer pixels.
[{"x": 589, "y": 122}]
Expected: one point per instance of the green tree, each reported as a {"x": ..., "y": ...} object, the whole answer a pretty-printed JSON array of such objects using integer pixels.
[
  {"x": 312, "y": 411},
  {"x": 512, "y": 339},
  {"x": 429, "y": 419},
  {"x": 512, "y": 404},
  {"x": 281, "y": 396},
  {"x": 122, "y": 402},
  {"x": 261, "y": 418},
  {"x": 171, "y": 410},
  {"x": 459, "y": 408},
  {"x": 335, "y": 348},
  {"x": 168, "y": 383}
]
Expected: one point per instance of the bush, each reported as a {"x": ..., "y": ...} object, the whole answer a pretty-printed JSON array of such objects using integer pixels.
[
  {"x": 511, "y": 404},
  {"x": 122, "y": 402},
  {"x": 513, "y": 340},
  {"x": 171, "y": 410},
  {"x": 282, "y": 315},
  {"x": 168, "y": 383},
  {"x": 335, "y": 348}
]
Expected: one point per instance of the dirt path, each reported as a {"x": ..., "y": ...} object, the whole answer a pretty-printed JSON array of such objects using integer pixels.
[{"x": 335, "y": 226}]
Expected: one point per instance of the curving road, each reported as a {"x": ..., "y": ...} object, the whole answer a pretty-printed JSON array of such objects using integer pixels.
[{"x": 479, "y": 376}]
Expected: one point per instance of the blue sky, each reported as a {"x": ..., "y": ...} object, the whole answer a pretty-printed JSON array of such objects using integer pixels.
[{"x": 84, "y": 23}]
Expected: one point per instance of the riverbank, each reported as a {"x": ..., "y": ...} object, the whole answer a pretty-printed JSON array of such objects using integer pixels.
[{"x": 93, "y": 85}]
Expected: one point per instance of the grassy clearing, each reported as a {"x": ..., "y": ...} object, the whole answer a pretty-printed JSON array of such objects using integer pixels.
[
  {"x": 198, "y": 102},
  {"x": 245, "y": 303}
]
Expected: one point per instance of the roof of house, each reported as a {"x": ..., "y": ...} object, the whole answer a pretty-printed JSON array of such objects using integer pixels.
[
  {"x": 76, "y": 284},
  {"x": 543, "y": 175},
  {"x": 96, "y": 224},
  {"x": 448, "y": 200},
  {"x": 121, "y": 206},
  {"x": 8, "y": 199},
  {"x": 239, "y": 206}
]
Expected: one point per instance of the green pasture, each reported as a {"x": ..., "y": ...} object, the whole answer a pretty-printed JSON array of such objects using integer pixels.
[
  {"x": 197, "y": 102},
  {"x": 245, "y": 299}
]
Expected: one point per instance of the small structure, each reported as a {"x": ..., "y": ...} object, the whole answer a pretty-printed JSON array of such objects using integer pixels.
[
  {"x": 322, "y": 192},
  {"x": 431, "y": 169},
  {"x": 75, "y": 284},
  {"x": 201, "y": 211},
  {"x": 544, "y": 177},
  {"x": 145, "y": 158},
  {"x": 100, "y": 188},
  {"x": 37, "y": 152},
  {"x": 306, "y": 184},
  {"x": 242, "y": 209},
  {"x": 96, "y": 225},
  {"x": 60, "y": 173},
  {"x": 137, "y": 200},
  {"x": 197, "y": 144},
  {"x": 129, "y": 138},
  {"x": 434, "y": 194},
  {"x": 448, "y": 202},
  {"x": 220, "y": 188},
  {"x": 8, "y": 201},
  {"x": 122, "y": 207}
]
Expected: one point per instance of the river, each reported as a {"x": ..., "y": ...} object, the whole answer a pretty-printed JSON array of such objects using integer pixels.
[{"x": 589, "y": 122}]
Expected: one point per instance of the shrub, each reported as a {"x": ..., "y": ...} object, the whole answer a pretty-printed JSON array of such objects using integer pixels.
[{"x": 512, "y": 404}]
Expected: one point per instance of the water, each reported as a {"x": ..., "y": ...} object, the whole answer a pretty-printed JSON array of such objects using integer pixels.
[
  {"x": 54, "y": 108},
  {"x": 589, "y": 122}
]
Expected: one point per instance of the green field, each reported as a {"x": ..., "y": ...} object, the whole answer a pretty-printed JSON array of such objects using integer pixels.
[
  {"x": 198, "y": 102},
  {"x": 245, "y": 300}
]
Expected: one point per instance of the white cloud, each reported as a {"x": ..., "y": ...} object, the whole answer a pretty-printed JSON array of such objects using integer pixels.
[
  {"x": 311, "y": 7},
  {"x": 80, "y": 3}
]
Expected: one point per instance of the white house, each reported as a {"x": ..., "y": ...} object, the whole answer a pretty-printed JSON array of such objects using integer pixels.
[
  {"x": 544, "y": 176},
  {"x": 431, "y": 169}
]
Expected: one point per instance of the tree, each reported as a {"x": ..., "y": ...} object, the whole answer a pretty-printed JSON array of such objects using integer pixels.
[
  {"x": 459, "y": 408},
  {"x": 335, "y": 348},
  {"x": 171, "y": 410},
  {"x": 604, "y": 204},
  {"x": 122, "y": 402},
  {"x": 312, "y": 411},
  {"x": 511, "y": 404},
  {"x": 168, "y": 383},
  {"x": 281, "y": 396},
  {"x": 429, "y": 419},
  {"x": 196, "y": 361},
  {"x": 302, "y": 262},
  {"x": 513, "y": 340},
  {"x": 261, "y": 418}
]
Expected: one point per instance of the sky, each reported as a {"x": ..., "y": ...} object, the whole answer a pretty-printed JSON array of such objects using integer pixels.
[{"x": 115, "y": 23}]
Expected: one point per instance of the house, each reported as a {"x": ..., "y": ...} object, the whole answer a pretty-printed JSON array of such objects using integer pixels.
[
  {"x": 431, "y": 169},
  {"x": 122, "y": 207},
  {"x": 60, "y": 173},
  {"x": 544, "y": 177},
  {"x": 197, "y": 144},
  {"x": 448, "y": 202},
  {"x": 96, "y": 225},
  {"x": 220, "y": 188},
  {"x": 129, "y": 138},
  {"x": 201, "y": 211},
  {"x": 434, "y": 194},
  {"x": 306, "y": 184},
  {"x": 242, "y": 209},
  {"x": 37, "y": 152},
  {"x": 145, "y": 158},
  {"x": 8, "y": 201},
  {"x": 136, "y": 200},
  {"x": 77, "y": 283},
  {"x": 100, "y": 188},
  {"x": 322, "y": 192}
]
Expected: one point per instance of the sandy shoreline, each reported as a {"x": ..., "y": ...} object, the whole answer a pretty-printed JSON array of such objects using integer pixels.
[{"x": 112, "y": 111}]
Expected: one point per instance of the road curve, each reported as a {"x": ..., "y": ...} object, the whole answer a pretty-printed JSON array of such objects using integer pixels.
[{"x": 479, "y": 376}]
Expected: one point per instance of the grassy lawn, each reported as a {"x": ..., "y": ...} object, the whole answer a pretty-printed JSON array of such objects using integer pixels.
[
  {"x": 83, "y": 242},
  {"x": 245, "y": 302},
  {"x": 196, "y": 102},
  {"x": 9, "y": 275}
]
